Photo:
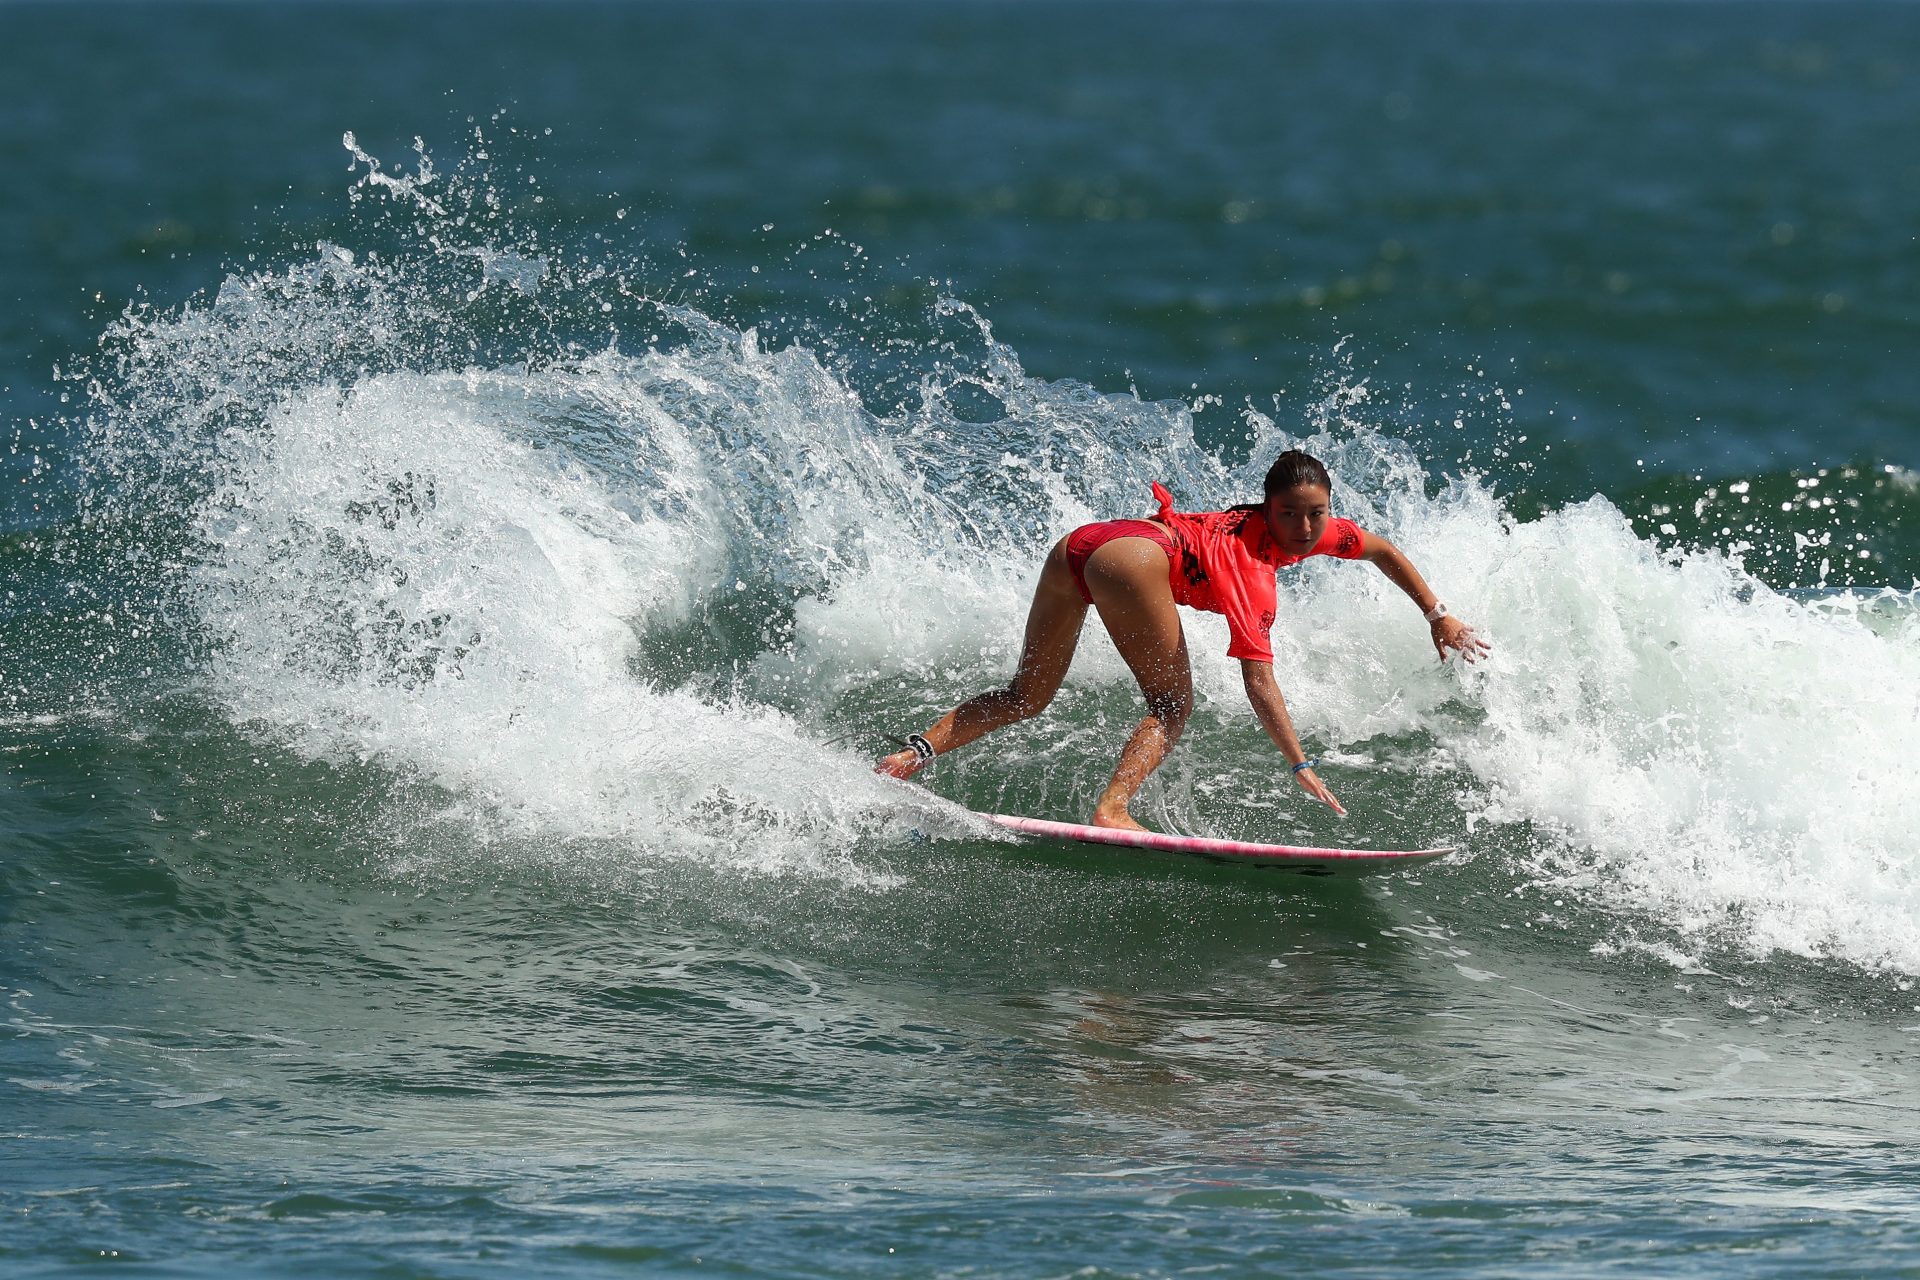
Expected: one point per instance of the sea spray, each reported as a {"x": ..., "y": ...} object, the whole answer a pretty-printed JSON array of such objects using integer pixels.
[{"x": 666, "y": 583}]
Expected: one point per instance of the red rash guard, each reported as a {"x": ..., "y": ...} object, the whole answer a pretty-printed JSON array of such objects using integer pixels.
[{"x": 1226, "y": 565}]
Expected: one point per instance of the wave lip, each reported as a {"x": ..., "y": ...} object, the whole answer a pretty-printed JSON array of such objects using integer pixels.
[{"x": 409, "y": 571}]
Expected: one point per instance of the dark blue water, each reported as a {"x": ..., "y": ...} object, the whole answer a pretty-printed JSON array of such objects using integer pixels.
[{"x": 483, "y": 481}]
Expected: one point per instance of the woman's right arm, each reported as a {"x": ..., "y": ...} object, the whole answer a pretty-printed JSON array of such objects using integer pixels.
[{"x": 1264, "y": 695}]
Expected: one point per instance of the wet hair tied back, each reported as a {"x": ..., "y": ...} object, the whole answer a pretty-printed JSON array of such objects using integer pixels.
[{"x": 1292, "y": 469}]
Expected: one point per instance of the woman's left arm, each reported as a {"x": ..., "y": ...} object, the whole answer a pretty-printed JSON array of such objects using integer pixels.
[{"x": 1449, "y": 632}]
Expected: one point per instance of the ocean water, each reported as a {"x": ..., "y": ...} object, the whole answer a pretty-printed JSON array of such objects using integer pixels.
[{"x": 483, "y": 482}]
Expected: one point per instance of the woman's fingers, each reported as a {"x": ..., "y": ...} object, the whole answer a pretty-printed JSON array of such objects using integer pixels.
[
  {"x": 1311, "y": 784},
  {"x": 1451, "y": 633},
  {"x": 901, "y": 764}
]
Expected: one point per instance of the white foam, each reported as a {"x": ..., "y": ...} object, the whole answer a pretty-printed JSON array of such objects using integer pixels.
[
  {"x": 393, "y": 575},
  {"x": 1713, "y": 753},
  {"x": 468, "y": 576}
]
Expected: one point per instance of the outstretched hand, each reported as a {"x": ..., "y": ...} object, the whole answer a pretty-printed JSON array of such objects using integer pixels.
[
  {"x": 901, "y": 764},
  {"x": 1451, "y": 633},
  {"x": 1310, "y": 783}
]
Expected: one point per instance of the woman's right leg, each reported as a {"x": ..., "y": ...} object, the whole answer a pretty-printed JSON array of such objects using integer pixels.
[{"x": 1053, "y": 632}]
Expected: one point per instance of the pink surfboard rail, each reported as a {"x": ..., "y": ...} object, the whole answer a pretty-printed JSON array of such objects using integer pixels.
[{"x": 1236, "y": 850}]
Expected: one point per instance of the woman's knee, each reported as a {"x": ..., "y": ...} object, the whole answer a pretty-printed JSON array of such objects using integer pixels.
[
  {"x": 1171, "y": 707},
  {"x": 1026, "y": 701}
]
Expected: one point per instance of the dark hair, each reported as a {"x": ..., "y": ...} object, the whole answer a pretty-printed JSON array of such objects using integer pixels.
[{"x": 1293, "y": 469}]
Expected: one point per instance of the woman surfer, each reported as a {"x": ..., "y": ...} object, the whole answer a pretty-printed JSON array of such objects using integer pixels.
[{"x": 1134, "y": 572}]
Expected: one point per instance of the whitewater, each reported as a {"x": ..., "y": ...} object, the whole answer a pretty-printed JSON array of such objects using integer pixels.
[
  {"x": 453, "y": 591},
  {"x": 675, "y": 593}
]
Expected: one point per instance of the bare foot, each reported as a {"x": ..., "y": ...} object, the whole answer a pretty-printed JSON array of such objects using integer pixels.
[
  {"x": 901, "y": 764},
  {"x": 1121, "y": 821}
]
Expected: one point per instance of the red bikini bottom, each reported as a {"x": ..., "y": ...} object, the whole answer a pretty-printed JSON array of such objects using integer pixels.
[{"x": 1089, "y": 538}]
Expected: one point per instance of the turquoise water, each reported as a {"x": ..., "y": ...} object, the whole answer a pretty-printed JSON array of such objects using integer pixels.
[{"x": 482, "y": 482}]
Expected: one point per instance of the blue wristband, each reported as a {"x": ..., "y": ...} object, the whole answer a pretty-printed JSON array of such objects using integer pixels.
[{"x": 1305, "y": 764}]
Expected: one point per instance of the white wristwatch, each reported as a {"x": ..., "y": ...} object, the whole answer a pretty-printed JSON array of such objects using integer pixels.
[{"x": 1436, "y": 613}]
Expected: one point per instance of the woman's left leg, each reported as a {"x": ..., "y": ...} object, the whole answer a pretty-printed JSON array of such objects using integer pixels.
[{"x": 1128, "y": 579}]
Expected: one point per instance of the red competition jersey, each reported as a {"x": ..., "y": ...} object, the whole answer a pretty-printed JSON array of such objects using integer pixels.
[{"x": 1227, "y": 562}]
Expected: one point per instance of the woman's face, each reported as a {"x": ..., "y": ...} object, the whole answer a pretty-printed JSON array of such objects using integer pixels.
[{"x": 1298, "y": 516}]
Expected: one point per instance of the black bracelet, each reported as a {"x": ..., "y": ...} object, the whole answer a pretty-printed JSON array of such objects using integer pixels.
[{"x": 921, "y": 747}]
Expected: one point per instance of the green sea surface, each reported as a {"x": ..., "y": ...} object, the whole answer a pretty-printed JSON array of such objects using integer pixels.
[{"x": 484, "y": 480}]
